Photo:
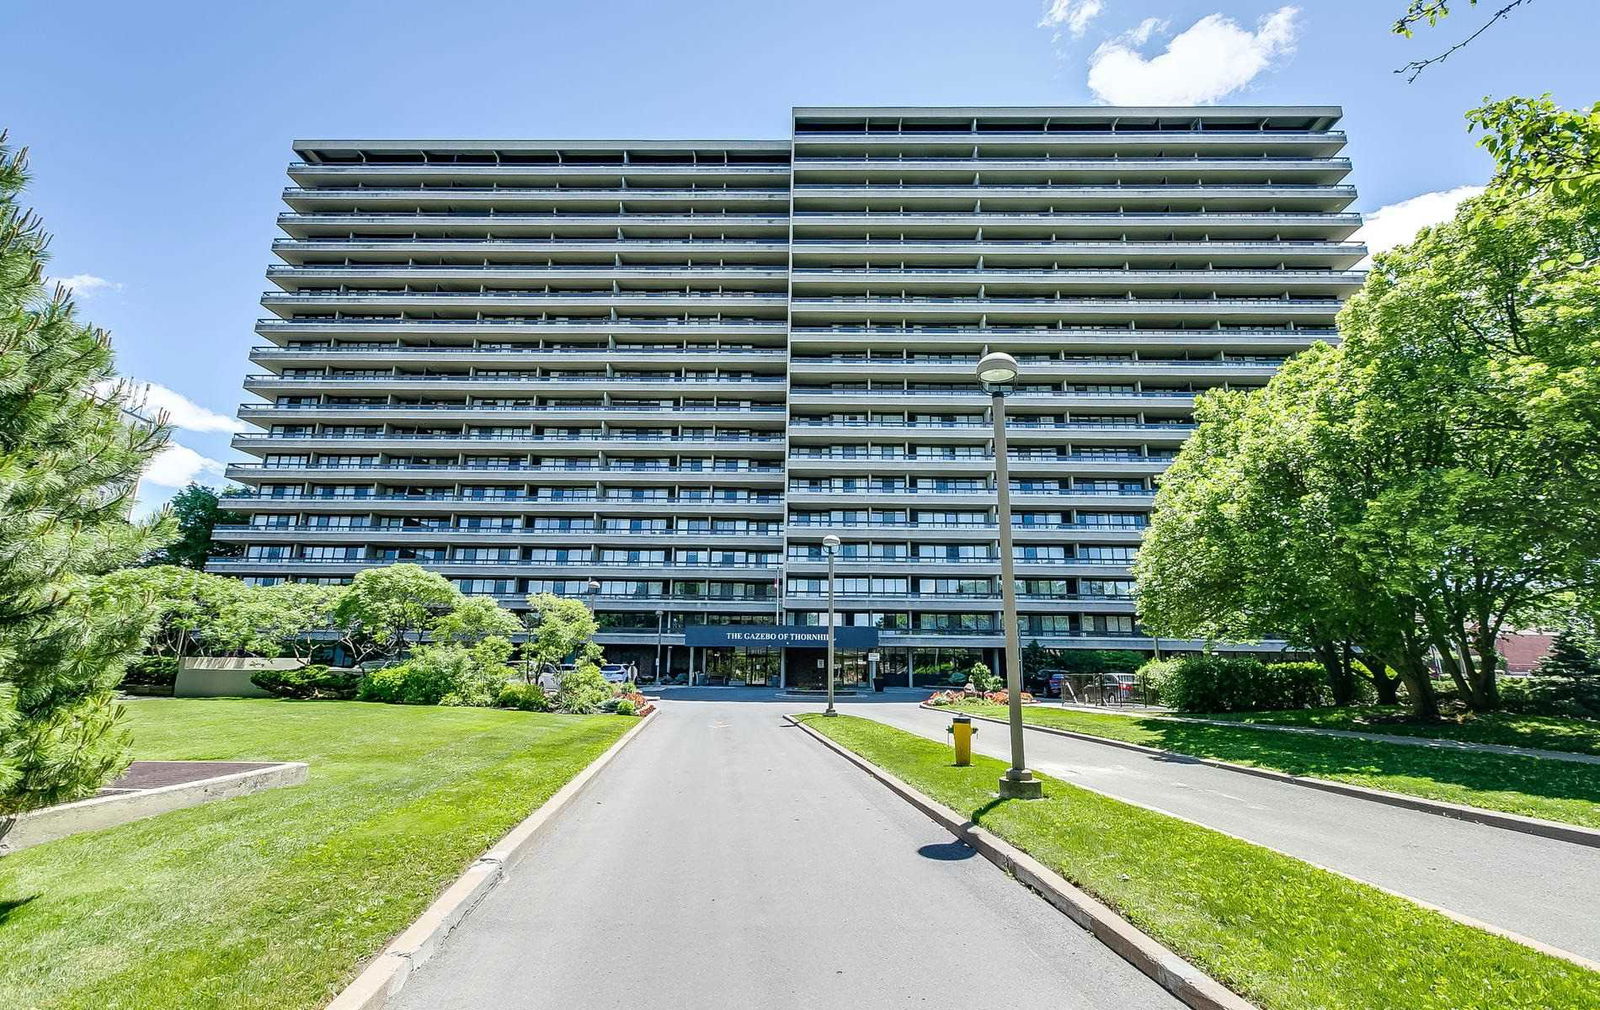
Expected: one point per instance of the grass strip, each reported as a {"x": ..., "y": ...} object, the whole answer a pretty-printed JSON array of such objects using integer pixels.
[
  {"x": 1533, "y": 787},
  {"x": 271, "y": 900},
  {"x": 1280, "y": 932},
  {"x": 1578, "y": 736}
]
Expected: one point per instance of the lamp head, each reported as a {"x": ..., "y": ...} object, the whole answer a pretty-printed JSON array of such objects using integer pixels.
[
  {"x": 831, "y": 543},
  {"x": 997, "y": 368},
  {"x": 594, "y": 585}
]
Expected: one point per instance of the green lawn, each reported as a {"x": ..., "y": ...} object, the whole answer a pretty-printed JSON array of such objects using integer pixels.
[
  {"x": 271, "y": 900},
  {"x": 1285, "y": 934},
  {"x": 1580, "y": 736},
  {"x": 1534, "y": 787}
]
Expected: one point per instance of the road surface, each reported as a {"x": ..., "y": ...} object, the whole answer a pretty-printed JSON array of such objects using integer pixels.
[{"x": 726, "y": 860}]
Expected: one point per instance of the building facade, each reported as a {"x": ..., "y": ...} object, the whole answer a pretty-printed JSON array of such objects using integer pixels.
[{"x": 656, "y": 374}]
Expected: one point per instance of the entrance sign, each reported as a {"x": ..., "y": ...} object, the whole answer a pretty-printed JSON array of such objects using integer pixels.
[{"x": 778, "y": 636}]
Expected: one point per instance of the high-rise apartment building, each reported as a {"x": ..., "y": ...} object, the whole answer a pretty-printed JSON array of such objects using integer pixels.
[{"x": 656, "y": 374}]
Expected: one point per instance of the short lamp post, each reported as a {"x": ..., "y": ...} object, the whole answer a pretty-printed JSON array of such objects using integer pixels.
[
  {"x": 997, "y": 371},
  {"x": 830, "y": 545},
  {"x": 660, "y": 617}
]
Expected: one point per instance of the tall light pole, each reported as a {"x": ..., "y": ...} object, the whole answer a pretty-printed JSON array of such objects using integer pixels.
[
  {"x": 830, "y": 544},
  {"x": 997, "y": 371},
  {"x": 660, "y": 616}
]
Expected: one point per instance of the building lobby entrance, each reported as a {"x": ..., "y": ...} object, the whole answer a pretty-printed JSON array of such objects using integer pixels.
[{"x": 737, "y": 665}]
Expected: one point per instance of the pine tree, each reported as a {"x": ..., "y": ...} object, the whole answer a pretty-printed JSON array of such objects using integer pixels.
[{"x": 70, "y": 456}]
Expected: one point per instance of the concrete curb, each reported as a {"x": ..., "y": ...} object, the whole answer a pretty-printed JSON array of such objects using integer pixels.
[
  {"x": 387, "y": 974},
  {"x": 1492, "y": 818},
  {"x": 1189, "y": 984},
  {"x": 39, "y": 826}
]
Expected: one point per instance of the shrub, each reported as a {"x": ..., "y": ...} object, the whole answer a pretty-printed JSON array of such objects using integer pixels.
[
  {"x": 524, "y": 697},
  {"x": 449, "y": 674},
  {"x": 1241, "y": 684},
  {"x": 582, "y": 690},
  {"x": 957, "y": 678},
  {"x": 308, "y": 682},
  {"x": 983, "y": 679},
  {"x": 1153, "y": 675},
  {"x": 946, "y": 698},
  {"x": 151, "y": 671},
  {"x": 625, "y": 707}
]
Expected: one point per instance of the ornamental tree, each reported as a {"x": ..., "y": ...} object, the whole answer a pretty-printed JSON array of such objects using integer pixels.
[
  {"x": 385, "y": 608},
  {"x": 71, "y": 450},
  {"x": 474, "y": 619},
  {"x": 561, "y": 627},
  {"x": 275, "y": 620}
]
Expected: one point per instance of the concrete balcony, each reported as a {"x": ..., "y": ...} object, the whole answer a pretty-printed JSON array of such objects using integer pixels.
[
  {"x": 999, "y": 311},
  {"x": 640, "y": 304},
  {"x": 404, "y": 250},
  {"x": 271, "y": 384},
  {"x": 980, "y": 498},
  {"x": 264, "y": 414},
  {"x": 385, "y": 355},
  {"x": 446, "y": 503},
  {"x": 972, "y": 283},
  {"x": 566, "y": 475},
  {"x": 1042, "y": 226},
  {"x": 1018, "y": 430},
  {"x": 367, "y": 533},
  {"x": 1023, "y": 171},
  {"x": 739, "y": 445},
  {"x": 886, "y": 399},
  {"x": 960, "y": 143},
  {"x": 532, "y": 225},
  {"x": 948, "y": 195},
  {"x": 309, "y": 175},
  {"x": 314, "y": 277},
  {"x": 1055, "y": 253},
  {"x": 597, "y": 199},
  {"x": 537, "y": 327},
  {"x": 967, "y": 342}
]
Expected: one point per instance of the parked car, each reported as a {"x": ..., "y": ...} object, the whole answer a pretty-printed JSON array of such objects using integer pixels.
[
  {"x": 1119, "y": 687},
  {"x": 615, "y": 673}
]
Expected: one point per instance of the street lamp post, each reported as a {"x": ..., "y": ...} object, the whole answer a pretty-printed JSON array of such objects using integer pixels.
[
  {"x": 830, "y": 544},
  {"x": 997, "y": 371},
  {"x": 660, "y": 616}
]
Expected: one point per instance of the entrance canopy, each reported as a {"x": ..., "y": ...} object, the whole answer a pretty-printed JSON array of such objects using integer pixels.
[{"x": 778, "y": 636}]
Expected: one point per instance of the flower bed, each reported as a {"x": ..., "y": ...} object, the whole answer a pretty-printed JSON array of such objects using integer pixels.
[{"x": 941, "y": 698}]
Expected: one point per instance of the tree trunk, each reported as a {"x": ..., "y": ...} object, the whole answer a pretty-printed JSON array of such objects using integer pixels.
[
  {"x": 1335, "y": 660},
  {"x": 1387, "y": 687}
]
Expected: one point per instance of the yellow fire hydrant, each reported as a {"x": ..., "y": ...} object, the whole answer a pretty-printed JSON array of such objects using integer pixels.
[{"x": 961, "y": 730}]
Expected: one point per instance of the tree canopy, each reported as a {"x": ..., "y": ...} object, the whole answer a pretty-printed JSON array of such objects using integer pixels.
[
  {"x": 1430, "y": 482},
  {"x": 196, "y": 510}
]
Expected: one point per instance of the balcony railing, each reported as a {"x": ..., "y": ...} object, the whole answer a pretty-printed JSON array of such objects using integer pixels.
[{"x": 686, "y": 380}]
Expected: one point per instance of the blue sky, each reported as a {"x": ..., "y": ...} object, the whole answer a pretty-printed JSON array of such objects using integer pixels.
[{"x": 159, "y": 132}]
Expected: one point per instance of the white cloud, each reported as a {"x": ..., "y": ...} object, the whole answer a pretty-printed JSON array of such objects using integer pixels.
[
  {"x": 83, "y": 285},
  {"x": 1213, "y": 58},
  {"x": 1398, "y": 223},
  {"x": 1073, "y": 15},
  {"x": 177, "y": 465},
  {"x": 182, "y": 412}
]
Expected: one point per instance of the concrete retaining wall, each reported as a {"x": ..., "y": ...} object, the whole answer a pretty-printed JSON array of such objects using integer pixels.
[
  {"x": 225, "y": 676},
  {"x": 109, "y": 811}
]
